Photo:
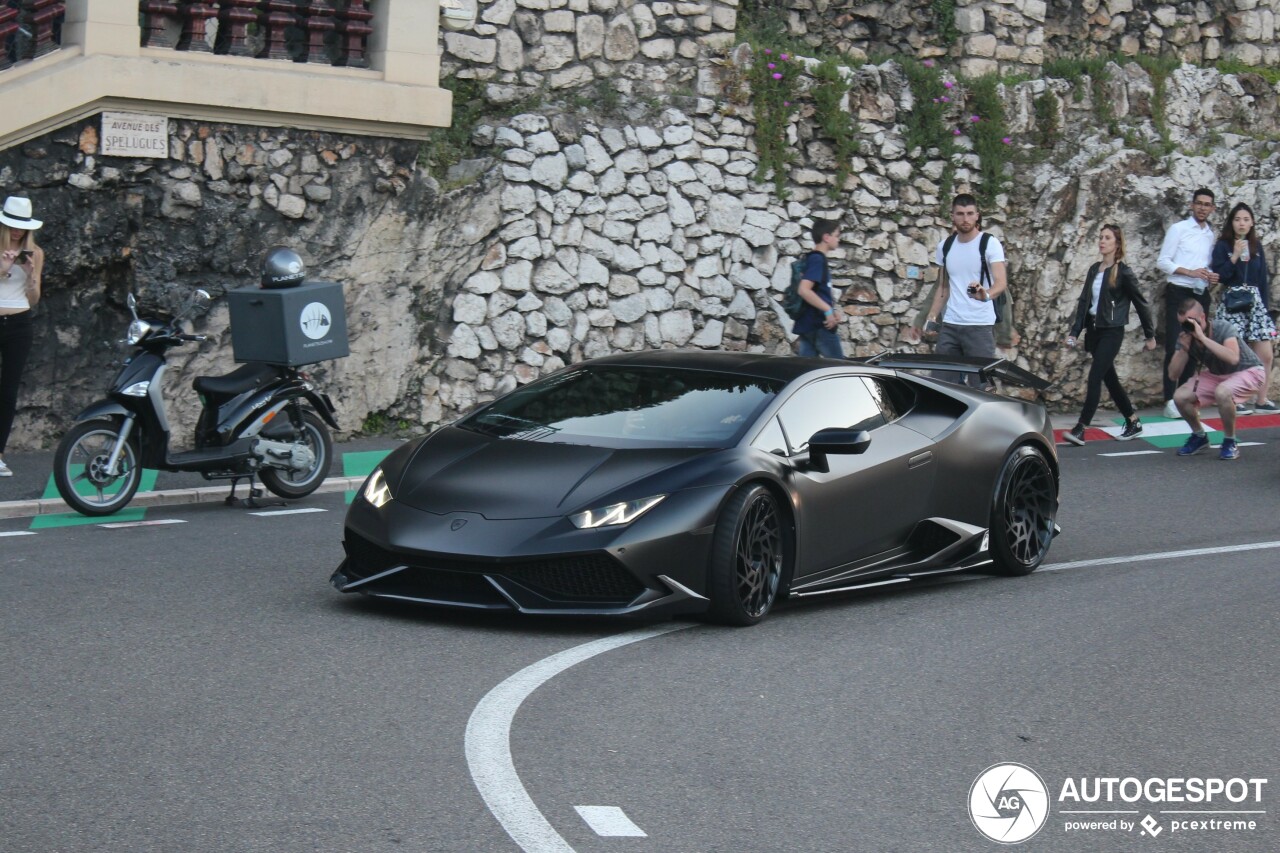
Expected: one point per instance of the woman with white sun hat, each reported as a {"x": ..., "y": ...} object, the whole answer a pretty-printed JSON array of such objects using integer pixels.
[{"x": 21, "y": 265}]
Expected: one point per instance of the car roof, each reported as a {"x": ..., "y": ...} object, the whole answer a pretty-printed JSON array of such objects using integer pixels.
[{"x": 761, "y": 365}]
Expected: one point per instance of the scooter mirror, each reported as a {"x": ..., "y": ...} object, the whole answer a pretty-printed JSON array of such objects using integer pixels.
[
  {"x": 133, "y": 303},
  {"x": 202, "y": 296}
]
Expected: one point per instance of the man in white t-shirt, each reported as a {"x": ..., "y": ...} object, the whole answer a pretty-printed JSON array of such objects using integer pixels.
[{"x": 968, "y": 326}]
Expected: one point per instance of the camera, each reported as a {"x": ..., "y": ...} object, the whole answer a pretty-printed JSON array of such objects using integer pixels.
[
  {"x": 1189, "y": 326},
  {"x": 973, "y": 288},
  {"x": 22, "y": 256}
]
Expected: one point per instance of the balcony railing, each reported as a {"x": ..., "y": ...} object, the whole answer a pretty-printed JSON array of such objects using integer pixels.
[
  {"x": 29, "y": 29},
  {"x": 325, "y": 32}
]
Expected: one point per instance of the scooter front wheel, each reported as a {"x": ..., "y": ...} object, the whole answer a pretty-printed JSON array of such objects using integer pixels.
[
  {"x": 299, "y": 484},
  {"x": 80, "y": 469}
]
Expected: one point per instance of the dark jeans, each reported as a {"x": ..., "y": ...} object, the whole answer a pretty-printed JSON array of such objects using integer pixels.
[
  {"x": 1104, "y": 345},
  {"x": 16, "y": 334},
  {"x": 823, "y": 342},
  {"x": 1173, "y": 296}
]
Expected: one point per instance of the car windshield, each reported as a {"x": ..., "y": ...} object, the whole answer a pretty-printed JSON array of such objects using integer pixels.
[{"x": 611, "y": 406}]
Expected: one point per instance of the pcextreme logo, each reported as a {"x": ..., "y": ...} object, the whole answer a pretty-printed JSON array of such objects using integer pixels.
[{"x": 1009, "y": 803}]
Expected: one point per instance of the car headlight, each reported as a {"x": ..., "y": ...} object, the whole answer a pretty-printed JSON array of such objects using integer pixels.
[
  {"x": 623, "y": 513},
  {"x": 137, "y": 389},
  {"x": 376, "y": 491},
  {"x": 137, "y": 329}
]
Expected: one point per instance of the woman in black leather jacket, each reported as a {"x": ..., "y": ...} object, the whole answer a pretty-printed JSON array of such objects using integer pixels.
[{"x": 1102, "y": 311}]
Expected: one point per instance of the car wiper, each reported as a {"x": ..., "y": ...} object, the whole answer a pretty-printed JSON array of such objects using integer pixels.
[{"x": 510, "y": 426}]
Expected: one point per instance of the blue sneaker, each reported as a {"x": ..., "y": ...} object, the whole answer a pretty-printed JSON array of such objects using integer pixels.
[
  {"x": 1196, "y": 443},
  {"x": 1229, "y": 449}
]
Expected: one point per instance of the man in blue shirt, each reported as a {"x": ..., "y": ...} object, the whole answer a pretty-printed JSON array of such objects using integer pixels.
[{"x": 815, "y": 328}]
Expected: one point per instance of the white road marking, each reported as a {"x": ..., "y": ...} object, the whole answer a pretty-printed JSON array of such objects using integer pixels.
[
  {"x": 610, "y": 822},
  {"x": 289, "y": 511},
  {"x": 488, "y": 741},
  {"x": 488, "y": 736},
  {"x": 1161, "y": 555},
  {"x": 115, "y": 525},
  {"x": 19, "y": 533},
  {"x": 1133, "y": 453}
]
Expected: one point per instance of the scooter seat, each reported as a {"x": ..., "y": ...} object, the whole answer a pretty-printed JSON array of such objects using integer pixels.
[{"x": 242, "y": 379}]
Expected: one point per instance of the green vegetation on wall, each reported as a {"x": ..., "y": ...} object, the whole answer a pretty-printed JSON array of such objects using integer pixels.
[
  {"x": 835, "y": 119},
  {"x": 990, "y": 135},
  {"x": 772, "y": 78}
]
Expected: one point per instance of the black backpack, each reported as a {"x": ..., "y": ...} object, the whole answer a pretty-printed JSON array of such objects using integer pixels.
[
  {"x": 1000, "y": 301},
  {"x": 792, "y": 303}
]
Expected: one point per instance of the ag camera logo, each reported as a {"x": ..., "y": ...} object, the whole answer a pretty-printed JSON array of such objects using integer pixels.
[
  {"x": 1008, "y": 803},
  {"x": 315, "y": 320}
]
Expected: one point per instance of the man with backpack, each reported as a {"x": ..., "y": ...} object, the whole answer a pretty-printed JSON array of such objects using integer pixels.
[
  {"x": 972, "y": 278},
  {"x": 816, "y": 315}
]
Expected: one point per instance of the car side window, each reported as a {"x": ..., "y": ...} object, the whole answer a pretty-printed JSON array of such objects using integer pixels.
[
  {"x": 771, "y": 439},
  {"x": 842, "y": 401},
  {"x": 885, "y": 398}
]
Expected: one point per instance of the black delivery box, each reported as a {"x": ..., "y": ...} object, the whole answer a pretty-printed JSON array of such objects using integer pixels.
[{"x": 292, "y": 326}]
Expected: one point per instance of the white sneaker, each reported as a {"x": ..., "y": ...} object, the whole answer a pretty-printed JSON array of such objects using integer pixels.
[
  {"x": 1171, "y": 410},
  {"x": 4, "y": 470}
]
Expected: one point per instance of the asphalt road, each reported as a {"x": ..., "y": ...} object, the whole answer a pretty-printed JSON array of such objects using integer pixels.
[{"x": 197, "y": 686}]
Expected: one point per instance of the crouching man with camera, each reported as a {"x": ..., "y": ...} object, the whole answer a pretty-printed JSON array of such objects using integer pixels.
[{"x": 1228, "y": 371}]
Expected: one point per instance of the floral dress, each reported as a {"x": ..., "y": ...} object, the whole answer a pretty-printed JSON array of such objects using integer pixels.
[{"x": 1254, "y": 324}]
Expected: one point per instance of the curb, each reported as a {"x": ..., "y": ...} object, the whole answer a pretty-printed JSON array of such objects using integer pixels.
[{"x": 170, "y": 497}]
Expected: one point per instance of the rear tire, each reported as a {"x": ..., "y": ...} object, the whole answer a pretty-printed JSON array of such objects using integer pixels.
[
  {"x": 80, "y": 463},
  {"x": 1022, "y": 513},
  {"x": 748, "y": 557},
  {"x": 299, "y": 484}
]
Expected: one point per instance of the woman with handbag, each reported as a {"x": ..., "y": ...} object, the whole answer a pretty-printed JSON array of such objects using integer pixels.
[
  {"x": 1241, "y": 266},
  {"x": 1110, "y": 287}
]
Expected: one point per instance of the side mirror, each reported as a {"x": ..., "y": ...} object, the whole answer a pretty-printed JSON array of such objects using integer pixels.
[
  {"x": 132, "y": 302},
  {"x": 202, "y": 296},
  {"x": 846, "y": 442}
]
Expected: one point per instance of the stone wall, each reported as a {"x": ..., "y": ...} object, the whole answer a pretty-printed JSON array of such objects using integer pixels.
[
  {"x": 582, "y": 234},
  {"x": 525, "y": 46},
  {"x": 358, "y": 209},
  {"x": 1020, "y": 35}
]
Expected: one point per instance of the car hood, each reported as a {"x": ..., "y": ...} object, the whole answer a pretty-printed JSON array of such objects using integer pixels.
[{"x": 460, "y": 471}]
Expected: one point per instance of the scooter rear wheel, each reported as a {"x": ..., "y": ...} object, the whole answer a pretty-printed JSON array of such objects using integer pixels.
[
  {"x": 80, "y": 469},
  {"x": 299, "y": 484}
]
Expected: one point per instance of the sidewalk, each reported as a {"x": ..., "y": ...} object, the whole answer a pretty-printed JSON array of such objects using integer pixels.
[{"x": 30, "y": 491}]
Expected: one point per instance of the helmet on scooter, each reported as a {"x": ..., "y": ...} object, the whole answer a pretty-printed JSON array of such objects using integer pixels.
[{"x": 282, "y": 267}]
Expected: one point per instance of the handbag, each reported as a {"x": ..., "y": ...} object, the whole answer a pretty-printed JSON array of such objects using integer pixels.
[{"x": 1238, "y": 299}]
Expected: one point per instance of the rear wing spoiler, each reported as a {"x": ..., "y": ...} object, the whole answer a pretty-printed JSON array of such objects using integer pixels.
[{"x": 987, "y": 369}]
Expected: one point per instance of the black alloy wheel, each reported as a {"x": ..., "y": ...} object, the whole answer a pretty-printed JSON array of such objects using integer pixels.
[
  {"x": 1023, "y": 512},
  {"x": 748, "y": 556}
]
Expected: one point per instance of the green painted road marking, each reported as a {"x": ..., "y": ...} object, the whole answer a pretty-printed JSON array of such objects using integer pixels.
[
  {"x": 71, "y": 519},
  {"x": 1170, "y": 439},
  {"x": 361, "y": 464}
]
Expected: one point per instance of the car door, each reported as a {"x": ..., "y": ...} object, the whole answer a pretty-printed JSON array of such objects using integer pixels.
[{"x": 866, "y": 503}]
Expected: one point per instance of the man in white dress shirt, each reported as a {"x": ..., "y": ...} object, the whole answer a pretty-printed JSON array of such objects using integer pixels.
[{"x": 1184, "y": 259}]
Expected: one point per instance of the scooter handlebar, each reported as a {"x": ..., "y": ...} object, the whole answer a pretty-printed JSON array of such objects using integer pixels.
[{"x": 195, "y": 338}]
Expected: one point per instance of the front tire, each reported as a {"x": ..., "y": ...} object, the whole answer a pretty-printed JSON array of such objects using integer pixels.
[
  {"x": 748, "y": 557},
  {"x": 1022, "y": 513},
  {"x": 80, "y": 469},
  {"x": 299, "y": 484}
]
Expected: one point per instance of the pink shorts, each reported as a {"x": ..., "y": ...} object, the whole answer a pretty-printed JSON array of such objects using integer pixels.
[{"x": 1241, "y": 385}]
